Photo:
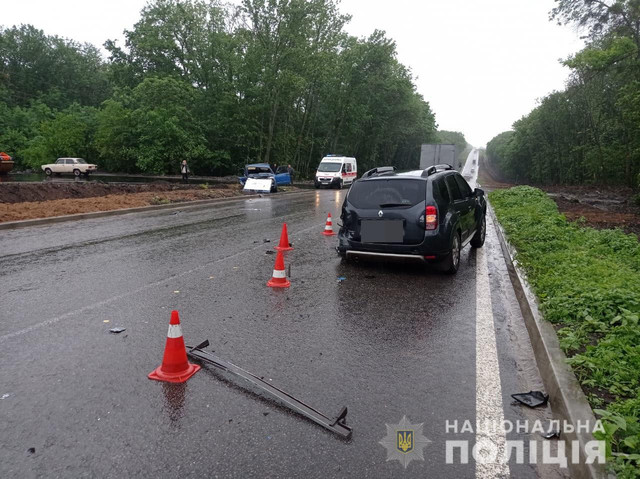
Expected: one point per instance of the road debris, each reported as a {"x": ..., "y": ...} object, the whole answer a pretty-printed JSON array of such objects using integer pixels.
[
  {"x": 551, "y": 434},
  {"x": 341, "y": 279},
  {"x": 336, "y": 425},
  {"x": 532, "y": 398},
  {"x": 117, "y": 330},
  {"x": 5, "y": 396}
]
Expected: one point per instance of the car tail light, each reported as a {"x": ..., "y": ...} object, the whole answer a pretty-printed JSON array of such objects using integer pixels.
[{"x": 431, "y": 218}]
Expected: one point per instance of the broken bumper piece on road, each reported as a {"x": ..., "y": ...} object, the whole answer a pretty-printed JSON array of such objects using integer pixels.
[{"x": 336, "y": 425}]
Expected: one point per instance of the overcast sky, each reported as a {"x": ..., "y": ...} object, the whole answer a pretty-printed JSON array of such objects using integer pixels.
[{"x": 481, "y": 64}]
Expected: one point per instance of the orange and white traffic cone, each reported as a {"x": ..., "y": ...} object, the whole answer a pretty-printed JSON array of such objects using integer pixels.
[
  {"x": 328, "y": 227},
  {"x": 174, "y": 368},
  {"x": 279, "y": 278},
  {"x": 284, "y": 240}
]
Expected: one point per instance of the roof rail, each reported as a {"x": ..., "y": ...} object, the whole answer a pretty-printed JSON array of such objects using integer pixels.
[
  {"x": 435, "y": 168},
  {"x": 379, "y": 170}
]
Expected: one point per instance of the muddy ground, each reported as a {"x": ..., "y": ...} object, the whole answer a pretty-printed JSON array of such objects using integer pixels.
[
  {"x": 22, "y": 192},
  {"x": 602, "y": 207},
  {"x": 21, "y": 201}
]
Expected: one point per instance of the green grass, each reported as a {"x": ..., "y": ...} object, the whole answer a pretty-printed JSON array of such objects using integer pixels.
[{"x": 588, "y": 285}]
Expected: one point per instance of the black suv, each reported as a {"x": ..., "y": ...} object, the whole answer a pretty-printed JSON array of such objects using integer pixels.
[{"x": 424, "y": 215}]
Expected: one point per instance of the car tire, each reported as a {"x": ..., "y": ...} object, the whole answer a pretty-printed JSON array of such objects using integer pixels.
[
  {"x": 48, "y": 172},
  {"x": 77, "y": 172},
  {"x": 274, "y": 188},
  {"x": 481, "y": 234},
  {"x": 340, "y": 185},
  {"x": 452, "y": 260}
]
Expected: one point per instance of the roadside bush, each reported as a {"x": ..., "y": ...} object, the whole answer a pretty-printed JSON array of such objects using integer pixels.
[
  {"x": 587, "y": 282},
  {"x": 158, "y": 200}
]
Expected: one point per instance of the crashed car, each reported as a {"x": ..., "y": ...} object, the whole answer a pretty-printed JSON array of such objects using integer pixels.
[{"x": 263, "y": 171}]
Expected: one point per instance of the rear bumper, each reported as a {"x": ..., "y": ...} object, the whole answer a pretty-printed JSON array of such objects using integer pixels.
[
  {"x": 413, "y": 258},
  {"x": 434, "y": 247}
]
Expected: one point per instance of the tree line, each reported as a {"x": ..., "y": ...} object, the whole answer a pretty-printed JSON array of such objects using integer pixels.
[
  {"x": 589, "y": 132},
  {"x": 278, "y": 81}
]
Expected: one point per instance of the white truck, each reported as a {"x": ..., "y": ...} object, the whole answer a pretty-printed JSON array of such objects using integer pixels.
[{"x": 438, "y": 154}]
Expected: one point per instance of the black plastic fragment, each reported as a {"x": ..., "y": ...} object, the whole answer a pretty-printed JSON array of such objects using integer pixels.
[
  {"x": 336, "y": 425},
  {"x": 532, "y": 398}
]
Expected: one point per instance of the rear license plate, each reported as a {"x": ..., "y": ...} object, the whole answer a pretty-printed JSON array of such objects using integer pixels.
[{"x": 382, "y": 231}]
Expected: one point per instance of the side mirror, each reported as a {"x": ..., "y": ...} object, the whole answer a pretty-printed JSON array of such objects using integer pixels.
[{"x": 478, "y": 192}]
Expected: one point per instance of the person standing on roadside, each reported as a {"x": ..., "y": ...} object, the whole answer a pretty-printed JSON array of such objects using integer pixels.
[
  {"x": 291, "y": 171},
  {"x": 184, "y": 169}
]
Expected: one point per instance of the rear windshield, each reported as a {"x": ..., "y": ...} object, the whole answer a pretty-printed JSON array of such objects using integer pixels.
[
  {"x": 329, "y": 167},
  {"x": 387, "y": 193}
]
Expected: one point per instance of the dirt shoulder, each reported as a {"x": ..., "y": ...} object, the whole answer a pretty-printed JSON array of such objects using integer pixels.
[
  {"x": 31, "y": 201},
  {"x": 602, "y": 207}
]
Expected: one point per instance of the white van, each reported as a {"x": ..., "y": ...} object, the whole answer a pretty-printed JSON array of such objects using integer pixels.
[{"x": 336, "y": 171}]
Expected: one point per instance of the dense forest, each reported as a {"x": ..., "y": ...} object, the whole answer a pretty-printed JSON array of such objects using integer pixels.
[
  {"x": 270, "y": 80},
  {"x": 590, "y": 132}
]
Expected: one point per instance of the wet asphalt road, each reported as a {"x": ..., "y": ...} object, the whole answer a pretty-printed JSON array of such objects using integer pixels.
[{"x": 389, "y": 341}]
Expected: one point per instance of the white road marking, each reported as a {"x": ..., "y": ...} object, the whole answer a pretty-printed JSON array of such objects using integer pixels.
[{"x": 490, "y": 436}]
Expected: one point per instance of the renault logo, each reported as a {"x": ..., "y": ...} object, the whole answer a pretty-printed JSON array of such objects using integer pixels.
[{"x": 380, "y": 213}]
